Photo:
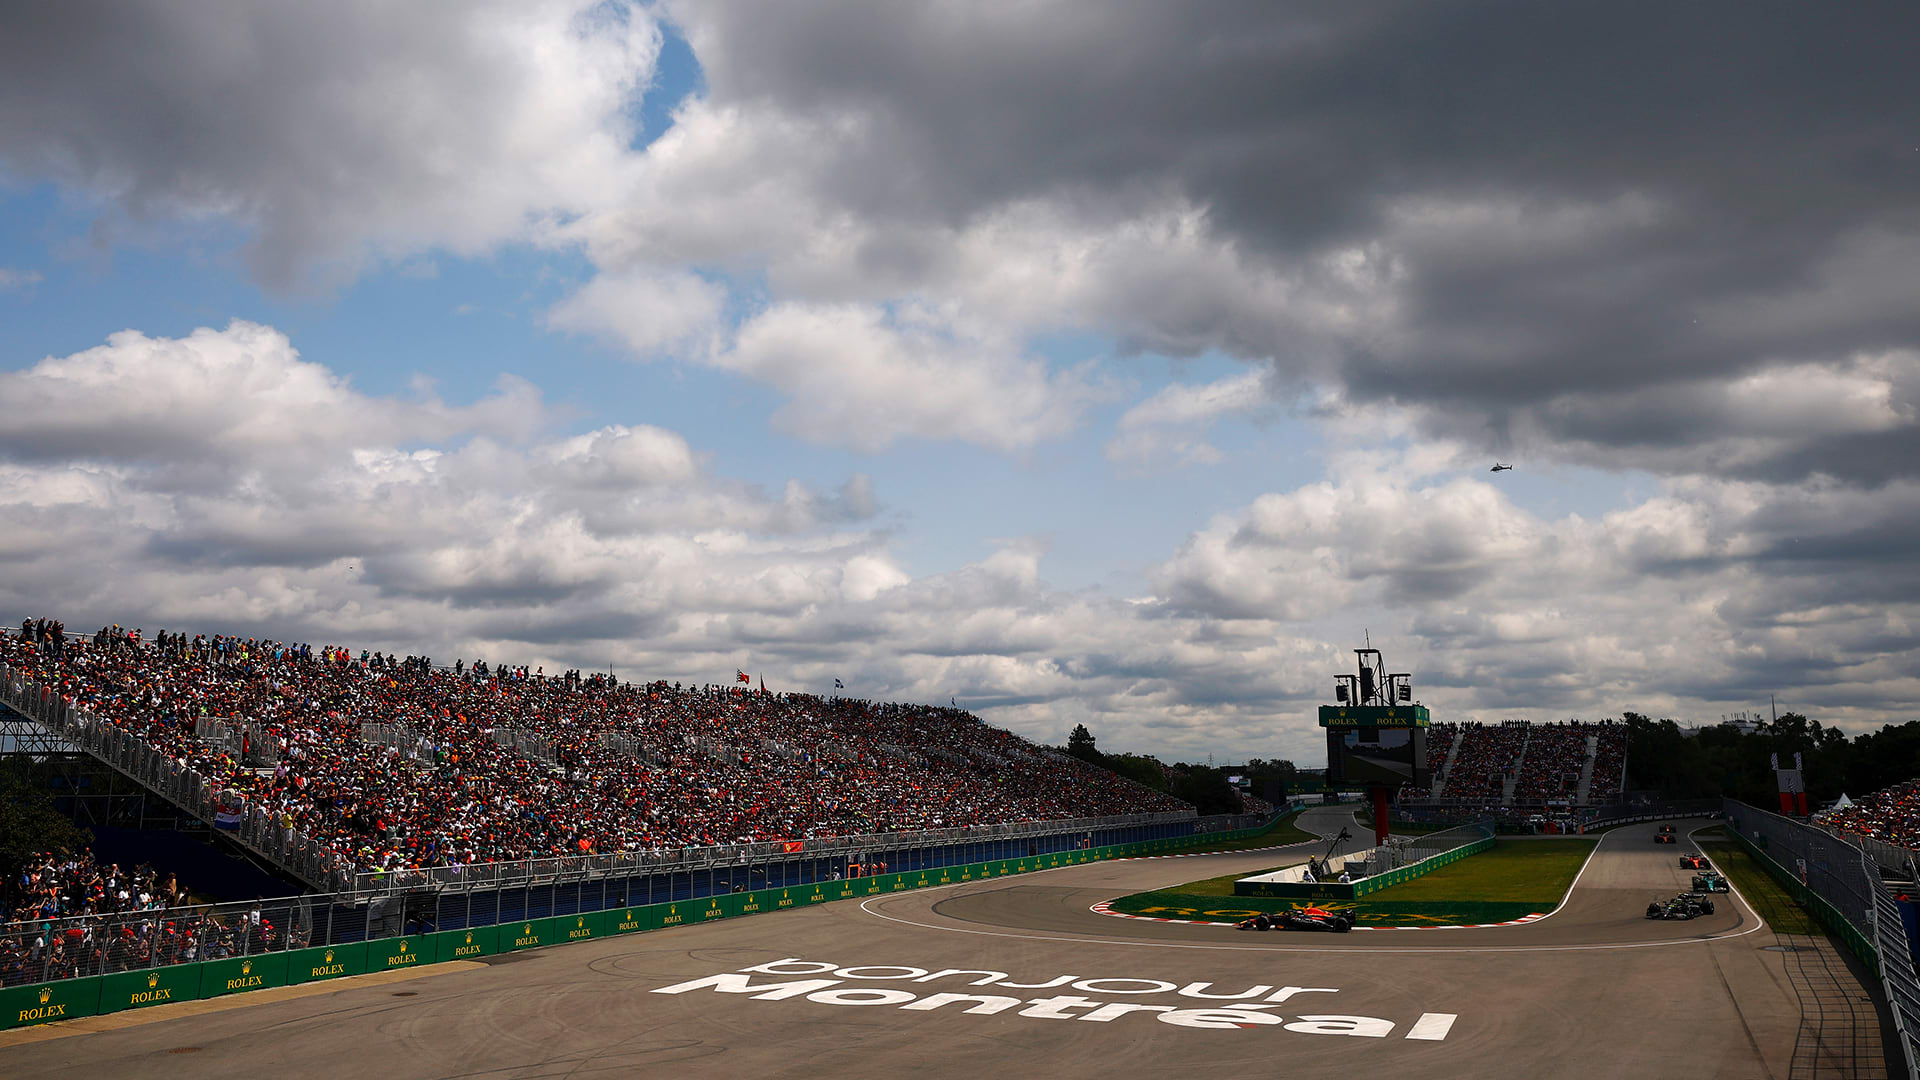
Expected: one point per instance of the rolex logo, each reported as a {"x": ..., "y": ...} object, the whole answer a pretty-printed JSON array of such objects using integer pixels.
[
  {"x": 153, "y": 980},
  {"x": 329, "y": 956},
  {"x": 469, "y": 937},
  {"x": 403, "y": 944},
  {"x": 581, "y": 921},
  {"x": 527, "y": 929},
  {"x": 46, "y": 993},
  {"x": 246, "y": 967}
]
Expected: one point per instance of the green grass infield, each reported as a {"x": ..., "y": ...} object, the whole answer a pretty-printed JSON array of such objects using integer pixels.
[
  {"x": 1777, "y": 906},
  {"x": 1514, "y": 879}
]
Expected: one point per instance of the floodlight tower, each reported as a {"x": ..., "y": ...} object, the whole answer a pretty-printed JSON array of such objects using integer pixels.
[{"x": 1376, "y": 734}]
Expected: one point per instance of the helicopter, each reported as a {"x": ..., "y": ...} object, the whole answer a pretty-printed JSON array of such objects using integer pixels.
[{"x": 1501, "y": 467}]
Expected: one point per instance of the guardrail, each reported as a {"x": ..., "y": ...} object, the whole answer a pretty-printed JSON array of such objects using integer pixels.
[
  {"x": 127, "y": 984},
  {"x": 1840, "y": 885}
]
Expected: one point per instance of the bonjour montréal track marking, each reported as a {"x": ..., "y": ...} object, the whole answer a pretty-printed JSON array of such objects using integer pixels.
[{"x": 1758, "y": 924}]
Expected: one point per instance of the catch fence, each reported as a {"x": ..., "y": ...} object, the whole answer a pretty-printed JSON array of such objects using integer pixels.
[{"x": 1840, "y": 884}]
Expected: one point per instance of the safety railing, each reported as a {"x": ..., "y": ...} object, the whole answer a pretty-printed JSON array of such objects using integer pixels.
[{"x": 1840, "y": 885}]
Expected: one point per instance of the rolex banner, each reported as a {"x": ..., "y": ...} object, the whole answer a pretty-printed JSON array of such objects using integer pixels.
[
  {"x": 240, "y": 973},
  {"x": 465, "y": 944},
  {"x": 326, "y": 962},
  {"x": 139, "y": 989},
  {"x": 45, "y": 1003}
]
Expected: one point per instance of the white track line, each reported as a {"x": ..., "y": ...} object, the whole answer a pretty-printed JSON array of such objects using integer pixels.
[{"x": 1731, "y": 887}]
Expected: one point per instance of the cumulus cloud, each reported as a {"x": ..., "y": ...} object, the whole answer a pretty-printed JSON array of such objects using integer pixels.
[
  {"x": 361, "y": 130},
  {"x": 866, "y": 378},
  {"x": 619, "y": 545},
  {"x": 1455, "y": 225},
  {"x": 649, "y": 312},
  {"x": 1357, "y": 200},
  {"x": 1168, "y": 425},
  {"x": 238, "y": 396}
]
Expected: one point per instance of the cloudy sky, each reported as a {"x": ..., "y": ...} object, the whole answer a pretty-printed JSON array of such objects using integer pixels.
[{"x": 1114, "y": 363}]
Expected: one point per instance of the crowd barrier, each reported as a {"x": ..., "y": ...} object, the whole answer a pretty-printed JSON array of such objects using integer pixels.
[
  {"x": 101, "y": 994},
  {"x": 1840, "y": 885}
]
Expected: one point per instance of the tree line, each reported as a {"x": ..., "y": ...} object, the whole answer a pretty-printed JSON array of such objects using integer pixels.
[
  {"x": 1721, "y": 761},
  {"x": 1205, "y": 786}
]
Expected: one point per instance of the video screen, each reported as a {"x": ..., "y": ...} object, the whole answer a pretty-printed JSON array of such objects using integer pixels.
[{"x": 1378, "y": 755}]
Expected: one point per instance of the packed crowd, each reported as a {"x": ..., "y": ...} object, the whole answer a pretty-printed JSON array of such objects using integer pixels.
[
  {"x": 59, "y": 885},
  {"x": 1556, "y": 754},
  {"x": 1545, "y": 760},
  {"x": 1609, "y": 761},
  {"x": 1891, "y": 816},
  {"x": 390, "y": 762},
  {"x": 1488, "y": 754},
  {"x": 43, "y": 950}
]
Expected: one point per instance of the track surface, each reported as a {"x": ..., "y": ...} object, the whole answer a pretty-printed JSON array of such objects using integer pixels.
[{"x": 1594, "y": 990}]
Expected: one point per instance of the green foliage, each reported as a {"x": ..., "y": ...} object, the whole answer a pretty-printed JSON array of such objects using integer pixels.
[
  {"x": 1080, "y": 744},
  {"x": 1138, "y": 768},
  {"x": 1720, "y": 761},
  {"x": 1207, "y": 789},
  {"x": 29, "y": 824}
]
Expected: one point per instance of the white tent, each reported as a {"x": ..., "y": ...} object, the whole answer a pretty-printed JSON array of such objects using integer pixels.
[{"x": 1843, "y": 803}]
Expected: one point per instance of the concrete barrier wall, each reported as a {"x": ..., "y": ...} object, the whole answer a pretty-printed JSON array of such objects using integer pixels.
[{"x": 41, "y": 1003}]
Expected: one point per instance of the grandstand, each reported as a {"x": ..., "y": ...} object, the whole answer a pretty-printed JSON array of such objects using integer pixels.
[
  {"x": 1890, "y": 816},
  {"x": 369, "y": 764},
  {"x": 1519, "y": 763}
]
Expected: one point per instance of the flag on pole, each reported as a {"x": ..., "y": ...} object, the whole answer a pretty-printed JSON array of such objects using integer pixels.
[
  {"x": 741, "y": 676},
  {"x": 838, "y": 685}
]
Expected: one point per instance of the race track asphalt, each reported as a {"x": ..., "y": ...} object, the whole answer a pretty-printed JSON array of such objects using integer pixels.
[{"x": 1594, "y": 990}]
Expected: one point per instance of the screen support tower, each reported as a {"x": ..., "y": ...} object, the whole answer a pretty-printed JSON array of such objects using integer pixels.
[{"x": 1376, "y": 734}]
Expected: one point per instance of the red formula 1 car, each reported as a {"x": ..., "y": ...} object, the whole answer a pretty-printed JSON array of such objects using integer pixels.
[
  {"x": 1666, "y": 835},
  {"x": 1313, "y": 919},
  {"x": 1695, "y": 861}
]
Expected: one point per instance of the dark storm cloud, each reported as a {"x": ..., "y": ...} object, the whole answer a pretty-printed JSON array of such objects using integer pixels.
[{"x": 1752, "y": 175}]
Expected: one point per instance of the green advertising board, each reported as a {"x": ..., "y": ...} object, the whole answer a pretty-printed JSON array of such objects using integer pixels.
[
  {"x": 465, "y": 944},
  {"x": 326, "y": 962},
  {"x": 392, "y": 954},
  {"x": 1375, "y": 716},
  {"x": 626, "y": 920},
  {"x": 48, "y": 1002},
  {"x": 238, "y": 974},
  {"x": 664, "y": 915},
  {"x": 140, "y": 989},
  {"x": 526, "y": 934},
  {"x": 577, "y": 927}
]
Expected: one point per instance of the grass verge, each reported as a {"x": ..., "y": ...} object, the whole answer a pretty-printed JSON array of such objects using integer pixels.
[
  {"x": 1774, "y": 903},
  {"x": 1515, "y": 878}
]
